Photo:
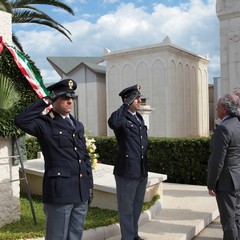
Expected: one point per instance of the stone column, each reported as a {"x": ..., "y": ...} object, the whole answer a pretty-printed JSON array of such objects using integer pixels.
[
  {"x": 6, "y": 27},
  {"x": 9, "y": 197},
  {"x": 145, "y": 111},
  {"x": 228, "y": 12}
]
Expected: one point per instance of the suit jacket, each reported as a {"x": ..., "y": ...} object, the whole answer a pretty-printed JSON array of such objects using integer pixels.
[
  {"x": 131, "y": 134},
  {"x": 224, "y": 161},
  {"x": 68, "y": 173}
]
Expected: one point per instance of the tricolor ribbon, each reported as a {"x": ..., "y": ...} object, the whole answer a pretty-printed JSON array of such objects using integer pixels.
[{"x": 25, "y": 67}]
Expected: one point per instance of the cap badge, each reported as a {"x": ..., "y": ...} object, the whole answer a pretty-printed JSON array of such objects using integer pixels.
[
  {"x": 70, "y": 84},
  {"x": 138, "y": 87}
]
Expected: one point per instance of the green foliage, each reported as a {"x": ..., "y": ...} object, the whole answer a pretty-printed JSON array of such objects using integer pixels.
[
  {"x": 27, "y": 11},
  {"x": 32, "y": 147},
  {"x": 9, "y": 69},
  {"x": 25, "y": 228},
  {"x": 183, "y": 160},
  {"x": 149, "y": 204},
  {"x": 8, "y": 94},
  {"x": 107, "y": 148}
]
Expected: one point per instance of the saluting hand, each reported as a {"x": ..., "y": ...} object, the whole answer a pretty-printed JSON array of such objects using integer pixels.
[{"x": 53, "y": 96}]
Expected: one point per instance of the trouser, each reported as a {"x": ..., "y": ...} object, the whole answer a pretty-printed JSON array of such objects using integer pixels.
[
  {"x": 65, "y": 221},
  {"x": 130, "y": 197},
  {"x": 229, "y": 209}
]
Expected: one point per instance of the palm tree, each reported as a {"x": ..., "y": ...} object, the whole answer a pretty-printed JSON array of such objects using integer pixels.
[
  {"x": 24, "y": 11},
  {"x": 8, "y": 93}
]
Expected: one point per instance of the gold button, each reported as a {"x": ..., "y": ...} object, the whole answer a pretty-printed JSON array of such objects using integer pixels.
[
  {"x": 75, "y": 148},
  {"x": 80, "y": 160},
  {"x": 80, "y": 175},
  {"x": 59, "y": 174},
  {"x": 60, "y": 132}
]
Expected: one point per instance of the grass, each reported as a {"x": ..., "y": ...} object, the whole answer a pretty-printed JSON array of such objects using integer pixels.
[{"x": 25, "y": 227}]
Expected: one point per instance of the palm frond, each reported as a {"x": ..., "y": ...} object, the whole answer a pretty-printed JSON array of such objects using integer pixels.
[
  {"x": 5, "y": 6},
  {"x": 16, "y": 42},
  {"x": 56, "y": 3},
  {"x": 26, "y": 16},
  {"x": 8, "y": 93},
  {"x": 24, "y": 11}
]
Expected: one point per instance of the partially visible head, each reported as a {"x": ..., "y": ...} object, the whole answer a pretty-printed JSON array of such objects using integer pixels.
[
  {"x": 236, "y": 91},
  {"x": 133, "y": 91},
  {"x": 228, "y": 105},
  {"x": 66, "y": 89},
  {"x": 129, "y": 91}
]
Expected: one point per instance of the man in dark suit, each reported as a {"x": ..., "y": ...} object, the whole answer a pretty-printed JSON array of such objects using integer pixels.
[
  {"x": 130, "y": 169},
  {"x": 67, "y": 181},
  {"x": 224, "y": 166}
]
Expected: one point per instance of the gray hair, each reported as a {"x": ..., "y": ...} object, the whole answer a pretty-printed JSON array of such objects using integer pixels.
[{"x": 232, "y": 104}]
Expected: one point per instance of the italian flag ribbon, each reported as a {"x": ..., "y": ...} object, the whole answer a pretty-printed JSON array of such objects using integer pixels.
[{"x": 25, "y": 67}]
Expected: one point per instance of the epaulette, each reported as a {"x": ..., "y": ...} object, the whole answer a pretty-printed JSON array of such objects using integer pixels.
[{"x": 51, "y": 114}]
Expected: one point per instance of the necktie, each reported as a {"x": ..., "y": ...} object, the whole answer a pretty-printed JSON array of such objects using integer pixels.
[
  {"x": 137, "y": 118},
  {"x": 70, "y": 122}
]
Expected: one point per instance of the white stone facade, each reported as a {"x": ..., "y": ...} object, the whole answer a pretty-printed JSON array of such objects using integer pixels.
[
  {"x": 9, "y": 197},
  {"x": 90, "y": 106},
  {"x": 6, "y": 27},
  {"x": 228, "y": 12},
  {"x": 91, "y": 93},
  {"x": 174, "y": 83}
]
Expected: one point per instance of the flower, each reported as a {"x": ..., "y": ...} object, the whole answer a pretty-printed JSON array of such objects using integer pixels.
[{"x": 91, "y": 147}]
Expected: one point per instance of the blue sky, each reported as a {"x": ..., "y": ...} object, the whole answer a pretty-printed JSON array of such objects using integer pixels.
[{"x": 117, "y": 25}]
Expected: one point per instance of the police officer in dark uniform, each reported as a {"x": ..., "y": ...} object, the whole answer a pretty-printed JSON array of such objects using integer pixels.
[
  {"x": 67, "y": 181},
  {"x": 130, "y": 169}
]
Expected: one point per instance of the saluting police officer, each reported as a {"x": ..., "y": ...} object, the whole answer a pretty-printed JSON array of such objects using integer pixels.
[
  {"x": 67, "y": 181},
  {"x": 130, "y": 168}
]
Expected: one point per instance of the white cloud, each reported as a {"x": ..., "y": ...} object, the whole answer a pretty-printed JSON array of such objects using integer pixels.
[
  {"x": 110, "y": 1},
  {"x": 193, "y": 26}
]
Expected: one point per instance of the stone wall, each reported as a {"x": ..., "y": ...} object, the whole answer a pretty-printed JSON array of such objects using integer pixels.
[
  {"x": 174, "y": 83},
  {"x": 9, "y": 197},
  {"x": 228, "y": 12},
  {"x": 9, "y": 189},
  {"x": 6, "y": 27}
]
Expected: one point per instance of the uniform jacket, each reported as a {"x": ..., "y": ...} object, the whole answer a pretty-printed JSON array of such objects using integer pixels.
[
  {"x": 132, "y": 139},
  {"x": 224, "y": 161},
  {"x": 68, "y": 172}
]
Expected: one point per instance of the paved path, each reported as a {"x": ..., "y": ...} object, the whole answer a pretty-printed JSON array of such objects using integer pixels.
[
  {"x": 187, "y": 212},
  {"x": 211, "y": 232}
]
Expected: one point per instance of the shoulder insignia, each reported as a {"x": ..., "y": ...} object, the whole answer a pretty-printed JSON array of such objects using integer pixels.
[{"x": 51, "y": 114}]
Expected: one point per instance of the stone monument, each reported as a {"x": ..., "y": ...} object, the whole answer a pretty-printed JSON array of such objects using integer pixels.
[
  {"x": 174, "y": 82},
  {"x": 9, "y": 188},
  {"x": 228, "y": 13},
  {"x": 6, "y": 27}
]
